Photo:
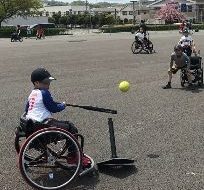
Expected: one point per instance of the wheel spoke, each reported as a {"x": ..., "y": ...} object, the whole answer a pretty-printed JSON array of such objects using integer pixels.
[{"x": 50, "y": 166}]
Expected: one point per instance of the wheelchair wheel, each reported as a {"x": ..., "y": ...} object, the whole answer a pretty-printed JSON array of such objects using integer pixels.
[
  {"x": 21, "y": 39},
  {"x": 182, "y": 78},
  {"x": 182, "y": 84},
  {"x": 19, "y": 139},
  {"x": 49, "y": 167},
  {"x": 136, "y": 48},
  {"x": 200, "y": 82},
  {"x": 151, "y": 47}
]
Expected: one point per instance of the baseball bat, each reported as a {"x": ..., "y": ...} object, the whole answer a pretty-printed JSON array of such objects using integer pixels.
[{"x": 94, "y": 108}]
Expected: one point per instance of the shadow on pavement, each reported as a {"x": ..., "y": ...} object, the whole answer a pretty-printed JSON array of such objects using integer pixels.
[
  {"x": 87, "y": 181},
  {"x": 120, "y": 172},
  {"x": 144, "y": 52},
  {"x": 196, "y": 89}
]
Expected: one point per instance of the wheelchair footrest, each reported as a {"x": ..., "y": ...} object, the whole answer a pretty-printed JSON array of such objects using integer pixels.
[{"x": 89, "y": 169}]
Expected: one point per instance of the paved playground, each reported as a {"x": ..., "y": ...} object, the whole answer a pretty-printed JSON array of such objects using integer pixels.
[{"x": 162, "y": 130}]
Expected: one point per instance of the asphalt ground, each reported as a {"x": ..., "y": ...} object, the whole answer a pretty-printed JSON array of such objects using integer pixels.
[{"x": 162, "y": 130}]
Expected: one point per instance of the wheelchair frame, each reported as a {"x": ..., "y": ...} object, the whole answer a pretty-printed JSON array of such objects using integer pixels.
[
  {"x": 15, "y": 38},
  {"x": 32, "y": 156},
  {"x": 47, "y": 155},
  {"x": 138, "y": 48},
  {"x": 197, "y": 73}
]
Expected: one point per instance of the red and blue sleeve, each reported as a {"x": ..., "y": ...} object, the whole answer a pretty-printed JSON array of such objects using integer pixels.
[{"x": 50, "y": 104}]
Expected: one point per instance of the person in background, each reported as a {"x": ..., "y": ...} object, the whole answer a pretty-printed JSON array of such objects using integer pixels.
[
  {"x": 28, "y": 32},
  {"x": 143, "y": 26},
  {"x": 40, "y": 32},
  {"x": 187, "y": 43},
  {"x": 182, "y": 26},
  {"x": 18, "y": 31},
  {"x": 179, "y": 60}
]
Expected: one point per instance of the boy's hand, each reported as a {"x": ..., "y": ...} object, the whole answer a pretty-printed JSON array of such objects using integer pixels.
[{"x": 64, "y": 103}]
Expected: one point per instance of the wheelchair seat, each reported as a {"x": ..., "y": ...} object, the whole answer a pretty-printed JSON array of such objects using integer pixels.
[
  {"x": 28, "y": 126},
  {"x": 195, "y": 62}
]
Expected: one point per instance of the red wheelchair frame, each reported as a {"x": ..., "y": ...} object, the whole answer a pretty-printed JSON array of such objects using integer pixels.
[{"x": 42, "y": 155}]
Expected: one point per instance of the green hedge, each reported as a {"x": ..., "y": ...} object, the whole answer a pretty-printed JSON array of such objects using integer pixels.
[
  {"x": 5, "y": 32},
  {"x": 150, "y": 27},
  {"x": 54, "y": 31}
]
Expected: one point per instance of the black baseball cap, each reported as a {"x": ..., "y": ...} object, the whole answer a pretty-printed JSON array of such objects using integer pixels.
[{"x": 41, "y": 74}]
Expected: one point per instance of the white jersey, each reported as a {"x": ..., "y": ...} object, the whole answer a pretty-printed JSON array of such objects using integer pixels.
[
  {"x": 37, "y": 110},
  {"x": 186, "y": 41},
  {"x": 140, "y": 36}
]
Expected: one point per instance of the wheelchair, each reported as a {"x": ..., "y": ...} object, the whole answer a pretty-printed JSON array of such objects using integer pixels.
[
  {"x": 15, "y": 37},
  {"x": 138, "y": 46},
  {"x": 42, "y": 155},
  {"x": 187, "y": 50},
  {"x": 196, "y": 69}
]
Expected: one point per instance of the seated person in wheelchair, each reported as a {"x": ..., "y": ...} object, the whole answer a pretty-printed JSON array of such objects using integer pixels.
[
  {"x": 140, "y": 37},
  {"x": 41, "y": 106},
  {"x": 17, "y": 33},
  {"x": 187, "y": 43},
  {"x": 179, "y": 60}
]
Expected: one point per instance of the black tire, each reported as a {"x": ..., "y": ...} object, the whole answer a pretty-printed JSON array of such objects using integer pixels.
[
  {"x": 49, "y": 170},
  {"x": 20, "y": 39},
  {"x": 183, "y": 84},
  {"x": 182, "y": 79},
  {"x": 20, "y": 139},
  {"x": 136, "y": 48},
  {"x": 200, "y": 82},
  {"x": 151, "y": 47}
]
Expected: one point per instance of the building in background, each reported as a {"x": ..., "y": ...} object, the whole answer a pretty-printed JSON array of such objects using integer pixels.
[
  {"x": 199, "y": 10},
  {"x": 141, "y": 13},
  {"x": 143, "y": 10},
  {"x": 108, "y": 10},
  {"x": 63, "y": 10},
  {"x": 30, "y": 20}
]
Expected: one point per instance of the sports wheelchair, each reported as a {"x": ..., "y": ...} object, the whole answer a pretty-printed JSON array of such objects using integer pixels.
[
  {"x": 15, "y": 37},
  {"x": 43, "y": 151},
  {"x": 138, "y": 46},
  {"x": 196, "y": 69},
  {"x": 187, "y": 50}
]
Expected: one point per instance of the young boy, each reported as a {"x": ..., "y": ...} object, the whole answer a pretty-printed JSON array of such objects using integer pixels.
[
  {"x": 179, "y": 60},
  {"x": 187, "y": 43},
  {"x": 182, "y": 26},
  {"x": 41, "y": 106},
  {"x": 140, "y": 36}
]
